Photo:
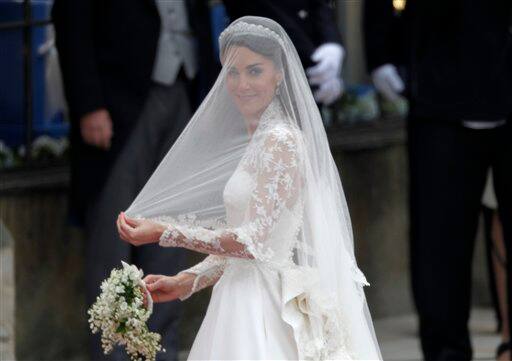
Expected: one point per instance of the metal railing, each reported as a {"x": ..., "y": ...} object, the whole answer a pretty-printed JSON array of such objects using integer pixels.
[{"x": 27, "y": 24}]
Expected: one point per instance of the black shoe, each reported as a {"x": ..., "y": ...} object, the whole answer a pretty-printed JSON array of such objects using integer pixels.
[{"x": 502, "y": 348}]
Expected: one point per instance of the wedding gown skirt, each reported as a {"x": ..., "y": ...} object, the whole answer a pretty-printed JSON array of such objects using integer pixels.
[{"x": 244, "y": 319}]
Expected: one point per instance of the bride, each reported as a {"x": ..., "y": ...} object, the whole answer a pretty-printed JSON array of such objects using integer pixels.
[{"x": 252, "y": 183}]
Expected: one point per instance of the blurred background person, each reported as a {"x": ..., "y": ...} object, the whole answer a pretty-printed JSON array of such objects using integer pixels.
[
  {"x": 458, "y": 61},
  {"x": 129, "y": 69},
  {"x": 313, "y": 30},
  {"x": 497, "y": 264}
]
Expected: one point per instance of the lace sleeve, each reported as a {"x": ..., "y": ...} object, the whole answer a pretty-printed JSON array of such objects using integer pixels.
[
  {"x": 207, "y": 273},
  {"x": 276, "y": 171}
]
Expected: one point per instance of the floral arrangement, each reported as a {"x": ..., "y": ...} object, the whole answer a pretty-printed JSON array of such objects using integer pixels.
[
  {"x": 120, "y": 313},
  {"x": 45, "y": 147}
]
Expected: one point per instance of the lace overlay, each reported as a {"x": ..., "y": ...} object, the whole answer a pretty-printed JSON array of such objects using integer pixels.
[
  {"x": 207, "y": 273},
  {"x": 302, "y": 301}
]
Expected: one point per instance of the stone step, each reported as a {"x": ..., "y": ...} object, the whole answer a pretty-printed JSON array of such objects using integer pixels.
[{"x": 399, "y": 341}]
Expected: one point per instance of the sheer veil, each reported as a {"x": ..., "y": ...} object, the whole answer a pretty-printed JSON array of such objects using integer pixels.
[{"x": 187, "y": 187}]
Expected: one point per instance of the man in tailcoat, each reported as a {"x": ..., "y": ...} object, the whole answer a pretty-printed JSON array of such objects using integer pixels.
[
  {"x": 130, "y": 68},
  {"x": 457, "y": 57}
]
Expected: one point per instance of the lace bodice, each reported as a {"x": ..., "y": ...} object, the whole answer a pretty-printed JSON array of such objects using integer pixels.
[{"x": 263, "y": 204}]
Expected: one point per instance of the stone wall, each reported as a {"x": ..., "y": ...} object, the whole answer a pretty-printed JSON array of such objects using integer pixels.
[
  {"x": 50, "y": 321},
  {"x": 375, "y": 185}
]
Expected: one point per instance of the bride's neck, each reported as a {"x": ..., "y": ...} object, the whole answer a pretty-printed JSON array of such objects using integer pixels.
[
  {"x": 251, "y": 122},
  {"x": 251, "y": 125}
]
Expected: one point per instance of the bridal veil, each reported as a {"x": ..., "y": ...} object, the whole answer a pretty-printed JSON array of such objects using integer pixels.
[{"x": 187, "y": 189}]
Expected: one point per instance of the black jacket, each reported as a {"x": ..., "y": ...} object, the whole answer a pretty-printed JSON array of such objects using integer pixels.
[
  {"x": 309, "y": 23},
  {"x": 457, "y": 53},
  {"x": 107, "y": 49},
  {"x": 112, "y": 43}
]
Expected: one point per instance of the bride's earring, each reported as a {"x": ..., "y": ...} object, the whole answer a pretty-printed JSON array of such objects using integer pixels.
[{"x": 278, "y": 88}]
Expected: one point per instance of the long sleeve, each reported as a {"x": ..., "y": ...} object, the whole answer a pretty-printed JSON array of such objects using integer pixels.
[
  {"x": 379, "y": 21},
  {"x": 207, "y": 273},
  {"x": 324, "y": 19},
  {"x": 276, "y": 171},
  {"x": 74, "y": 29}
]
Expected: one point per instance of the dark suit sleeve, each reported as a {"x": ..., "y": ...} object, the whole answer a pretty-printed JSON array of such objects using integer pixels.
[
  {"x": 378, "y": 22},
  {"x": 74, "y": 27},
  {"x": 199, "y": 20},
  {"x": 324, "y": 21}
]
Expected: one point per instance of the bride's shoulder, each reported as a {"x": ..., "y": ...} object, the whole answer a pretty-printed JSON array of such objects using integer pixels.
[
  {"x": 284, "y": 131},
  {"x": 278, "y": 129},
  {"x": 282, "y": 139},
  {"x": 277, "y": 124}
]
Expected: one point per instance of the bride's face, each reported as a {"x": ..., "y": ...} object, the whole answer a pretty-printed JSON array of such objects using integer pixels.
[{"x": 251, "y": 80}]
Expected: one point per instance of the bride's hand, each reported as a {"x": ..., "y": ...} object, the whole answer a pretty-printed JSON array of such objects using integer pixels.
[
  {"x": 168, "y": 288},
  {"x": 138, "y": 231}
]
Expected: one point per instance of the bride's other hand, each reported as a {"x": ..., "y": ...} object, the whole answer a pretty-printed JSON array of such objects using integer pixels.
[
  {"x": 138, "y": 231},
  {"x": 169, "y": 288}
]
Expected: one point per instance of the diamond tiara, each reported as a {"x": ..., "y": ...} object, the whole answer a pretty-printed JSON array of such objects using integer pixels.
[{"x": 242, "y": 27}]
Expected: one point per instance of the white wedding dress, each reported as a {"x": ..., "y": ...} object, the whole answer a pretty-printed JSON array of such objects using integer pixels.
[
  {"x": 268, "y": 208},
  {"x": 259, "y": 307}
]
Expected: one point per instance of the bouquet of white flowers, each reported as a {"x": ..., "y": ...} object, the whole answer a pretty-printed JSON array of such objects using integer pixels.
[{"x": 119, "y": 312}]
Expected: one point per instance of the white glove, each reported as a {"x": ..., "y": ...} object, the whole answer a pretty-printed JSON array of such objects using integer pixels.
[
  {"x": 387, "y": 81},
  {"x": 326, "y": 73},
  {"x": 329, "y": 91},
  {"x": 329, "y": 57}
]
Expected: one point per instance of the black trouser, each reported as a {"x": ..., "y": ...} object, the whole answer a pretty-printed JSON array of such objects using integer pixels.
[
  {"x": 448, "y": 170},
  {"x": 165, "y": 114}
]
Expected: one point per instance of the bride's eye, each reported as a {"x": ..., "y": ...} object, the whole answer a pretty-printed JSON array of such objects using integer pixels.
[
  {"x": 232, "y": 72},
  {"x": 255, "y": 71}
]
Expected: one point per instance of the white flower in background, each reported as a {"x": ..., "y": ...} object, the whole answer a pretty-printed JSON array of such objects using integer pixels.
[
  {"x": 6, "y": 156},
  {"x": 120, "y": 315},
  {"x": 53, "y": 146}
]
